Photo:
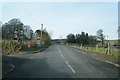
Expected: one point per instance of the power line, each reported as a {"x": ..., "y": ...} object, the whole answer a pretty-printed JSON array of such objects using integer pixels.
[{"x": 27, "y": 12}]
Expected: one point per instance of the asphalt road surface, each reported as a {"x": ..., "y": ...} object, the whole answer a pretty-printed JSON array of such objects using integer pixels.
[{"x": 59, "y": 61}]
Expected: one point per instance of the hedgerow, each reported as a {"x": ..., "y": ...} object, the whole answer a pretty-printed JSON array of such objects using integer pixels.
[{"x": 10, "y": 47}]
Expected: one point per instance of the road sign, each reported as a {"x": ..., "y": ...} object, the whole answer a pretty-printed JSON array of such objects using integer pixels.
[{"x": 38, "y": 41}]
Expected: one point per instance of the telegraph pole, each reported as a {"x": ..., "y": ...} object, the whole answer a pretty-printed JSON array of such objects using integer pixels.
[
  {"x": 108, "y": 45},
  {"x": 41, "y": 33},
  {"x": 0, "y": 31}
]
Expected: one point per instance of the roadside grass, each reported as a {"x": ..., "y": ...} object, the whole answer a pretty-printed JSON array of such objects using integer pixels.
[
  {"x": 10, "y": 47},
  {"x": 15, "y": 47},
  {"x": 0, "y": 41},
  {"x": 25, "y": 49},
  {"x": 100, "y": 51}
]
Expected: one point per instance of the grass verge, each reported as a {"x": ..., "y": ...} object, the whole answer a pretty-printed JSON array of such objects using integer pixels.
[
  {"x": 25, "y": 49},
  {"x": 100, "y": 51}
]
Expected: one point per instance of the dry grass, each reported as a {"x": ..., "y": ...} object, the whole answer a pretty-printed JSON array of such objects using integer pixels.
[
  {"x": 102, "y": 51},
  {"x": 10, "y": 46}
]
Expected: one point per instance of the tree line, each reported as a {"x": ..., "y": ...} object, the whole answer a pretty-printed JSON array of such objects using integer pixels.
[
  {"x": 86, "y": 39},
  {"x": 16, "y": 30}
]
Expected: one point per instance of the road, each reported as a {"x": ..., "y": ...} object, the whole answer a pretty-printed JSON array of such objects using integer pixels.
[{"x": 60, "y": 61}]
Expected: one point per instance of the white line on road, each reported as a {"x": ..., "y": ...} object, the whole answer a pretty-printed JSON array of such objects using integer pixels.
[
  {"x": 66, "y": 61},
  {"x": 80, "y": 51},
  {"x": 11, "y": 55},
  {"x": 62, "y": 56},
  {"x": 12, "y": 67},
  {"x": 109, "y": 62},
  {"x": 117, "y": 65},
  {"x": 70, "y": 67},
  {"x": 59, "y": 50},
  {"x": 93, "y": 54},
  {"x": 97, "y": 58},
  {"x": 84, "y": 53}
]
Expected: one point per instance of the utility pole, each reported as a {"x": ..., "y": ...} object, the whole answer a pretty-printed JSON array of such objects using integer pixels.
[
  {"x": 108, "y": 45},
  {"x": 0, "y": 30},
  {"x": 41, "y": 33},
  {"x": 60, "y": 39}
]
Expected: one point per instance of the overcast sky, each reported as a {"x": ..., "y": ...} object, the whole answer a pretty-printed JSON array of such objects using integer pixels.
[{"x": 62, "y": 18}]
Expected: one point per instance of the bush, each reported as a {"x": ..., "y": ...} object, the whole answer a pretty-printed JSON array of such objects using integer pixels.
[
  {"x": 10, "y": 47},
  {"x": 14, "y": 47},
  {"x": 33, "y": 43},
  {"x": 26, "y": 43}
]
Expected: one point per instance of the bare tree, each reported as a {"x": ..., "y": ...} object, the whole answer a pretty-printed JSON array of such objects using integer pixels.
[{"x": 100, "y": 36}]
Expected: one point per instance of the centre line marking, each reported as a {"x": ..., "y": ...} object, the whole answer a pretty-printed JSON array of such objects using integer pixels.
[
  {"x": 70, "y": 67},
  {"x": 59, "y": 50},
  {"x": 93, "y": 54},
  {"x": 62, "y": 55}
]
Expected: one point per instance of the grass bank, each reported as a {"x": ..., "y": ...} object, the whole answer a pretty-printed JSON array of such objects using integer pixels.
[
  {"x": 26, "y": 49},
  {"x": 15, "y": 47},
  {"x": 101, "y": 51}
]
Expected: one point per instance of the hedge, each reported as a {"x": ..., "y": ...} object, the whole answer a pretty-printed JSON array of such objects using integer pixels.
[{"x": 10, "y": 47}]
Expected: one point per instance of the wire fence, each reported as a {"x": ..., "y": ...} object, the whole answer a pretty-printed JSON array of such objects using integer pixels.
[{"x": 111, "y": 50}]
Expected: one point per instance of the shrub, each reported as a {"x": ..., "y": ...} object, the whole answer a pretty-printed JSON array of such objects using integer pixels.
[
  {"x": 33, "y": 43},
  {"x": 10, "y": 47}
]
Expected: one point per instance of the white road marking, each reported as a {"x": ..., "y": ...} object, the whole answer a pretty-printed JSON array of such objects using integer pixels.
[
  {"x": 93, "y": 54},
  {"x": 80, "y": 51},
  {"x": 12, "y": 66},
  {"x": 84, "y": 53},
  {"x": 66, "y": 61},
  {"x": 117, "y": 65},
  {"x": 98, "y": 58},
  {"x": 59, "y": 50},
  {"x": 62, "y": 55},
  {"x": 11, "y": 55},
  {"x": 109, "y": 62},
  {"x": 70, "y": 67}
]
